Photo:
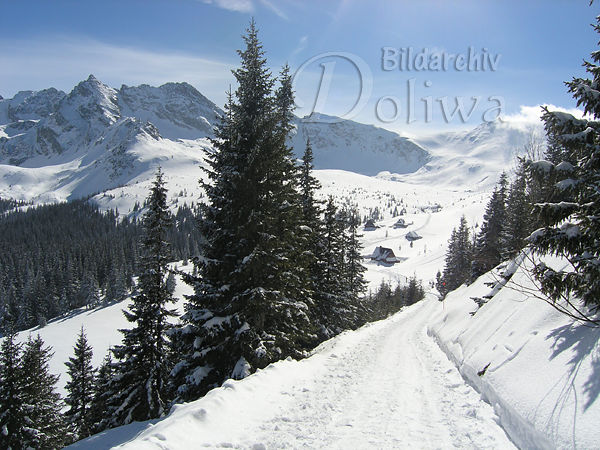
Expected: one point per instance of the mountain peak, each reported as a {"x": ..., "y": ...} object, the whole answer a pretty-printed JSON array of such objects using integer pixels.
[
  {"x": 92, "y": 98},
  {"x": 93, "y": 83}
]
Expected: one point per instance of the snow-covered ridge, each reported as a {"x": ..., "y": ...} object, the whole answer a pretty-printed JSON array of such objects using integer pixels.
[
  {"x": 474, "y": 158},
  {"x": 51, "y": 123}
]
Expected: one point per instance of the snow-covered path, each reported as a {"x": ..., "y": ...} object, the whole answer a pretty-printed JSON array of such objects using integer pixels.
[
  {"x": 386, "y": 385},
  {"x": 393, "y": 388}
]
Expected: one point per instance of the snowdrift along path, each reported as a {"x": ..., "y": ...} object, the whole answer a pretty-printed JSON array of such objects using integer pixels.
[{"x": 387, "y": 385}]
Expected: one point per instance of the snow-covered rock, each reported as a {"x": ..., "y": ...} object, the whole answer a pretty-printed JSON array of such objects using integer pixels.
[{"x": 178, "y": 110}]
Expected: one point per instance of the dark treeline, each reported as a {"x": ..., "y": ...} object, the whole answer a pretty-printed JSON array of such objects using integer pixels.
[
  {"x": 59, "y": 257},
  {"x": 7, "y": 204}
]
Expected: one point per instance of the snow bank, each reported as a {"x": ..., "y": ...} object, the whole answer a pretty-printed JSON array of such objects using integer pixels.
[{"x": 538, "y": 368}]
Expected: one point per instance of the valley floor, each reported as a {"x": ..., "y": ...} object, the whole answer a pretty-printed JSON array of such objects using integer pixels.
[{"x": 387, "y": 385}]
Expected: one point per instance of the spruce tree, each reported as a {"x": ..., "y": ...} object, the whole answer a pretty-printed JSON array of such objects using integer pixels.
[
  {"x": 334, "y": 309},
  {"x": 518, "y": 223},
  {"x": 140, "y": 387},
  {"x": 457, "y": 269},
  {"x": 414, "y": 291},
  {"x": 354, "y": 273},
  {"x": 250, "y": 305},
  {"x": 80, "y": 388},
  {"x": 572, "y": 216},
  {"x": 312, "y": 224},
  {"x": 13, "y": 425},
  {"x": 487, "y": 253},
  {"x": 44, "y": 424},
  {"x": 101, "y": 394},
  {"x": 309, "y": 185}
]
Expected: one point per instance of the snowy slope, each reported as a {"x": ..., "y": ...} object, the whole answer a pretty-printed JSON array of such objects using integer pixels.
[
  {"x": 355, "y": 147},
  {"x": 541, "y": 378},
  {"x": 386, "y": 385},
  {"x": 473, "y": 158},
  {"x": 543, "y": 375},
  {"x": 101, "y": 325}
]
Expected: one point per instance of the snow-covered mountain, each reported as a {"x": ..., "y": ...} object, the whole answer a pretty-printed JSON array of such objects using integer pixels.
[
  {"x": 474, "y": 158},
  {"x": 50, "y": 122},
  {"x": 355, "y": 147},
  {"x": 56, "y": 146}
]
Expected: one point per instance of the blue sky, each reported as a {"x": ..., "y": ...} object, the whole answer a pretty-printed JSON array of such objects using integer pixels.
[{"x": 539, "y": 44}]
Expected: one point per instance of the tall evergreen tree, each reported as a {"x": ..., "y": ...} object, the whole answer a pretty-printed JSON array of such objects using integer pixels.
[
  {"x": 80, "y": 387},
  {"x": 334, "y": 311},
  {"x": 45, "y": 427},
  {"x": 250, "y": 305},
  {"x": 572, "y": 217},
  {"x": 309, "y": 185},
  {"x": 457, "y": 269},
  {"x": 357, "y": 285},
  {"x": 488, "y": 246},
  {"x": 140, "y": 386},
  {"x": 517, "y": 227},
  {"x": 101, "y": 394},
  {"x": 312, "y": 243},
  {"x": 13, "y": 413}
]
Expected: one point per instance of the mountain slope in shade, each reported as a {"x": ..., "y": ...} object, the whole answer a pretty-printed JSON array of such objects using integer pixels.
[{"x": 347, "y": 145}]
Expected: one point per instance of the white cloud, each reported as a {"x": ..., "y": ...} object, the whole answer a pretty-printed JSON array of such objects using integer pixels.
[
  {"x": 531, "y": 115},
  {"x": 248, "y": 6},
  {"x": 278, "y": 11},
  {"x": 300, "y": 47},
  {"x": 63, "y": 62},
  {"x": 244, "y": 6}
]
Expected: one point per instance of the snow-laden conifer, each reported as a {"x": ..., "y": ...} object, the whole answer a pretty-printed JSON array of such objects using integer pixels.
[{"x": 139, "y": 388}]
